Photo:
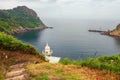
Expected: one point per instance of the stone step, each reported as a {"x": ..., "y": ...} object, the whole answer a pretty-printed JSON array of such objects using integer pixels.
[
  {"x": 20, "y": 77},
  {"x": 15, "y": 73},
  {"x": 17, "y": 66}
]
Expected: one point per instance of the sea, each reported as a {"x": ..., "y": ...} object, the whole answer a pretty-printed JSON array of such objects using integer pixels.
[{"x": 70, "y": 38}]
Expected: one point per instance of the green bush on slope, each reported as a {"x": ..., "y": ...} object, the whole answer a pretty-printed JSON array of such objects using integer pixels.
[
  {"x": 111, "y": 63},
  {"x": 8, "y": 42}
]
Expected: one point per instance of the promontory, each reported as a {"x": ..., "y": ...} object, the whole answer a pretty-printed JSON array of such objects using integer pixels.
[{"x": 19, "y": 20}]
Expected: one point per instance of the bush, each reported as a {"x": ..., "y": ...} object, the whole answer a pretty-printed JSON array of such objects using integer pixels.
[
  {"x": 66, "y": 61},
  {"x": 111, "y": 63},
  {"x": 8, "y": 42}
]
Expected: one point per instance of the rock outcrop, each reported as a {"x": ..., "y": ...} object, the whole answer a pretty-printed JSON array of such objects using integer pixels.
[{"x": 115, "y": 32}]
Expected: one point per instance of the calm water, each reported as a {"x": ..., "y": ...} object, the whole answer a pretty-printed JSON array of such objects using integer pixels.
[{"x": 70, "y": 38}]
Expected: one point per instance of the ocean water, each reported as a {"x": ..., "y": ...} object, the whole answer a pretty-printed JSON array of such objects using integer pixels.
[{"x": 70, "y": 38}]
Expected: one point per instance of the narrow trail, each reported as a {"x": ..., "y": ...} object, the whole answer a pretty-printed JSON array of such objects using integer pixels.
[{"x": 17, "y": 72}]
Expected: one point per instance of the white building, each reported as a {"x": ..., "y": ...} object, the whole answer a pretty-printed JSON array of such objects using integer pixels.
[
  {"x": 48, "y": 55},
  {"x": 47, "y": 51}
]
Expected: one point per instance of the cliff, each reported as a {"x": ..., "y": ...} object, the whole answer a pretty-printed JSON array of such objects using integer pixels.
[
  {"x": 19, "y": 19},
  {"x": 115, "y": 32}
]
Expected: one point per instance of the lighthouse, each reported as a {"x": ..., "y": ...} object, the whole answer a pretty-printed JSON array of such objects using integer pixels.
[
  {"x": 48, "y": 55},
  {"x": 47, "y": 50}
]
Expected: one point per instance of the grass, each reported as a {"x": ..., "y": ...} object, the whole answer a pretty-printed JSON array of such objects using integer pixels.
[
  {"x": 47, "y": 71},
  {"x": 15, "y": 57},
  {"x": 8, "y": 42},
  {"x": 42, "y": 76},
  {"x": 89, "y": 69},
  {"x": 110, "y": 63},
  {"x": 1, "y": 73},
  {"x": 50, "y": 71}
]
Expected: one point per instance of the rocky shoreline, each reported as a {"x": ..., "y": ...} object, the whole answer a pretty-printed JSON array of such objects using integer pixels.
[
  {"x": 108, "y": 33},
  {"x": 23, "y": 30},
  {"x": 113, "y": 33}
]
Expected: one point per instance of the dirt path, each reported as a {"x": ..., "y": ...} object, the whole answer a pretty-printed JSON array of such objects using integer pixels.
[{"x": 17, "y": 72}]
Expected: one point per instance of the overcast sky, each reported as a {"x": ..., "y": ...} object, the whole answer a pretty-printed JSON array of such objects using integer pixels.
[{"x": 84, "y": 9}]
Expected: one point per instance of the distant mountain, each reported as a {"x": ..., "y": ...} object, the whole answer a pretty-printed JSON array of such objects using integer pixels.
[{"x": 19, "y": 19}]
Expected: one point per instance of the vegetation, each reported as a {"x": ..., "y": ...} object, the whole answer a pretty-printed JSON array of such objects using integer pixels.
[
  {"x": 115, "y": 32},
  {"x": 111, "y": 63},
  {"x": 20, "y": 17},
  {"x": 8, "y": 42},
  {"x": 1, "y": 73},
  {"x": 72, "y": 70},
  {"x": 17, "y": 52},
  {"x": 47, "y": 71},
  {"x": 15, "y": 57}
]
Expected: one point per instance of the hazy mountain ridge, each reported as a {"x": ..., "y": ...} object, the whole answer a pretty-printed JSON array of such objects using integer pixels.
[{"x": 19, "y": 19}]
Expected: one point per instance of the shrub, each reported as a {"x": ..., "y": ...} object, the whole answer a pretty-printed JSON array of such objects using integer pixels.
[
  {"x": 66, "y": 61},
  {"x": 8, "y": 42},
  {"x": 111, "y": 63}
]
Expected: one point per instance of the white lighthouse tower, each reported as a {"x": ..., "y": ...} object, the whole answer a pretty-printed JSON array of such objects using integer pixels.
[
  {"x": 48, "y": 55},
  {"x": 47, "y": 51}
]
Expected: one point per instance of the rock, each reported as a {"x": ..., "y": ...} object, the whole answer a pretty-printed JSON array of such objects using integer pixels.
[
  {"x": 17, "y": 72},
  {"x": 21, "y": 77}
]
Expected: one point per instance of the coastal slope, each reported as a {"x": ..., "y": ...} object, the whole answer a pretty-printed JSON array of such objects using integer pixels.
[
  {"x": 115, "y": 32},
  {"x": 28, "y": 64},
  {"x": 19, "y": 19}
]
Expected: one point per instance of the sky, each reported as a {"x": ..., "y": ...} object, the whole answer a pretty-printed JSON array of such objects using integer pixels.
[{"x": 83, "y": 9}]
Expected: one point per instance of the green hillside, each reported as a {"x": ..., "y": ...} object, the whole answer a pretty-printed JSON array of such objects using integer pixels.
[
  {"x": 18, "y": 18},
  {"x": 8, "y": 42},
  {"x": 19, "y": 52}
]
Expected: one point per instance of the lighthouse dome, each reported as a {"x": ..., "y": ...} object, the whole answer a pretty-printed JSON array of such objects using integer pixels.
[
  {"x": 47, "y": 47},
  {"x": 47, "y": 51}
]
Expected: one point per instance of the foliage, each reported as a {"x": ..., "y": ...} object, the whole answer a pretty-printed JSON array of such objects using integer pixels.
[
  {"x": 42, "y": 71},
  {"x": 111, "y": 63},
  {"x": 8, "y": 42},
  {"x": 1, "y": 73},
  {"x": 47, "y": 71},
  {"x": 15, "y": 18},
  {"x": 43, "y": 76},
  {"x": 67, "y": 61}
]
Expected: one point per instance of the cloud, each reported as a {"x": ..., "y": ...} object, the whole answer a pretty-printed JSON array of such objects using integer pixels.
[
  {"x": 105, "y": 0},
  {"x": 69, "y": 8},
  {"x": 7, "y": 4},
  {"x": 41, "y": 1}
]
